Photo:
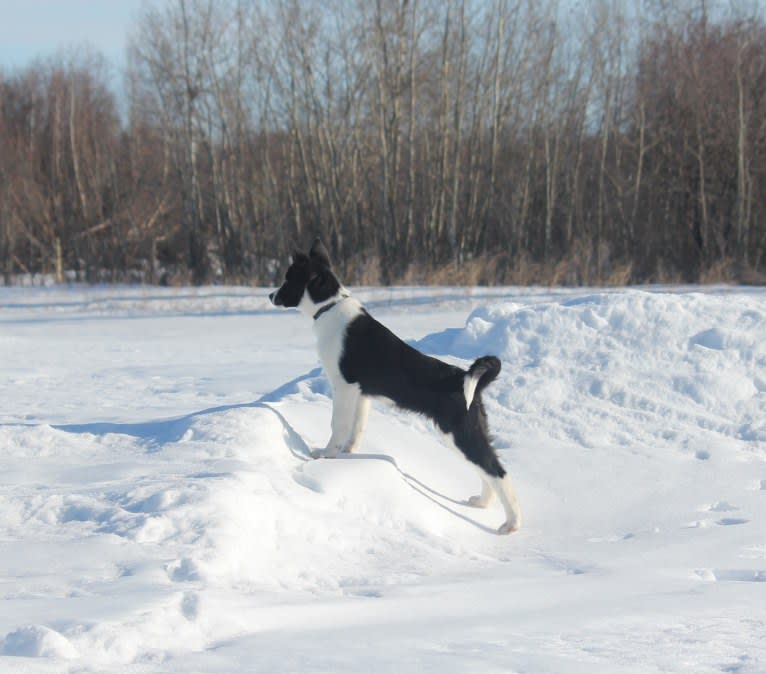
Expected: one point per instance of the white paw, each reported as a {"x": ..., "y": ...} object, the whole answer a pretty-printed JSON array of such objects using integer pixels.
[
  {"x": 480, "y": 501},
  {"x": 509, "y": 527}
]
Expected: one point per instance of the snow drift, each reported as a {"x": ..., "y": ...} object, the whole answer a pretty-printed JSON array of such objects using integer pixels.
[{"x": 667, "y": 361}]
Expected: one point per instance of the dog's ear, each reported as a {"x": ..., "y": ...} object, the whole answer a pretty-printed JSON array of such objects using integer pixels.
[
  {"x": 300, "y": 258},
  {"x": 319, "y": 254}
]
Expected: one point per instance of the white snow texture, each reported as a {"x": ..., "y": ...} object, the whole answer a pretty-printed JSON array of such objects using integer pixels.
[{"x": 159, "y": 510}]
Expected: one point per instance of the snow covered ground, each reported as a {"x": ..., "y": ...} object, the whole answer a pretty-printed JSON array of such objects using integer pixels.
[{"x": 159, "y": 512}]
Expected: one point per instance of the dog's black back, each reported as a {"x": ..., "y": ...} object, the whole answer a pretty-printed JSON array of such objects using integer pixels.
[{"x": 384, "y": 365}]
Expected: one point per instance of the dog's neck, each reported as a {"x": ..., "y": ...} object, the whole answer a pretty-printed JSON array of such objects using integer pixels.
[{"x": 323, "y": 309}]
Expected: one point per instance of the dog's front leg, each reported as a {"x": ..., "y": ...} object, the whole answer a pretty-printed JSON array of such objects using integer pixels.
[
  {"x": 345, "y": 404},
  {"x": 360, "y": 422}
]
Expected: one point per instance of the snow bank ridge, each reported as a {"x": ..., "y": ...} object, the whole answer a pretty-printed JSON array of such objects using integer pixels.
[{"x": 668, "y": 358}]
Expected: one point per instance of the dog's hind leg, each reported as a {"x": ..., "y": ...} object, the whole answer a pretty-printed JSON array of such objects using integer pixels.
[
  {"x": 487, "y": 492},
  {"x": 500, "y": 481},
  {"x": 507, "y": 494},
  {"x": 477, "y": 449}
]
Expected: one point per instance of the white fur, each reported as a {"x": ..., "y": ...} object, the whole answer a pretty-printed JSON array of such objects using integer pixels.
[
  {"x": 349, "y": 407},
  {"x": 330, "y": 331},
  {"x": 487, "y": 493},
  {"x": 504, "y": 489},
  {"x": 469, "y": 388}
]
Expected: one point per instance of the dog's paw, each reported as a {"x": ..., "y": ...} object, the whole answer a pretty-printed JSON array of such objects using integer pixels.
[
  {"x": 479, "y": 501},
  {"x": 509, "y": 528},
  {"x": 326, "y": 453}
]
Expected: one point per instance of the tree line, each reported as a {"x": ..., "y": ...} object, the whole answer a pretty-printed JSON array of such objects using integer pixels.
[{"x": 454, "y": 141}]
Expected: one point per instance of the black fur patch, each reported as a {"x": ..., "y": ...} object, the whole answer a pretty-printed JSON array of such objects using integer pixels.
[{"x": 384, "y": 365}]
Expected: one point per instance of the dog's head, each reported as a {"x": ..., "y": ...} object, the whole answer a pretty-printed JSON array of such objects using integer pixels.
[{"x": 309, "y": 281}]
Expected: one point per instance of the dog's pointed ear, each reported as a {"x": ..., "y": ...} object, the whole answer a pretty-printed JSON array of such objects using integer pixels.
[
  {"x": 318, "y": 253},
  {"x": 300, "y": 258}
]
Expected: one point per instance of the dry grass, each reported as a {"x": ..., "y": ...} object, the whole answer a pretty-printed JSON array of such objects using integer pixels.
[
  {"x": 577, "y": 268},
  {"x": 730, "y": 271}
]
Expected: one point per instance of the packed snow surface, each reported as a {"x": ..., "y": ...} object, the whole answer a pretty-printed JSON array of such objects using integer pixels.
[{"x": 159, "y": 511}]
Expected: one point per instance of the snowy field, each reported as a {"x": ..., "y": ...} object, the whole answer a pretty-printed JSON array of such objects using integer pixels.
[{"x": 159, "y": 511}]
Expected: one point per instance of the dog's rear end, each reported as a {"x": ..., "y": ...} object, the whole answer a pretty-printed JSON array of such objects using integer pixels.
[
  {"x": 471, "y": 437},
  {"x": 482, "y": 373}
]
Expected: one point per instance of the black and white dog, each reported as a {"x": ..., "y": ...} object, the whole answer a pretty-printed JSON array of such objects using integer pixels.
[{"x": 364, "y": 359}]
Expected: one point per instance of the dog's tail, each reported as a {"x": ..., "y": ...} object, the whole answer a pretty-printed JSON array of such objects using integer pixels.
[{"x": 480, "y": 375}]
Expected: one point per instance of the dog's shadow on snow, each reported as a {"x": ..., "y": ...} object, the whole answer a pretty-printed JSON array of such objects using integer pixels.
[
  {"x": 156, "y": 434},
  {"x": 423, "y": 489}
]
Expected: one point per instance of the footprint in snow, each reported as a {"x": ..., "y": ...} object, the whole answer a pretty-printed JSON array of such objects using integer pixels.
[
  {"x": 190, "y": 606},
  {"x": 723, "y": 507},
  {"x": 720, "y": 507},
  {"x": 723, "y": 522},
  {"x": 732, "y": 521},
  {"x": 717, "y": 507},
  {"x": 182, "y": 570},
  {"x": 731, "y": 575}
]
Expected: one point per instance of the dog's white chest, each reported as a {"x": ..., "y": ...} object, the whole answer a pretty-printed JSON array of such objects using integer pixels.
[{"x": 330, "y": 329}]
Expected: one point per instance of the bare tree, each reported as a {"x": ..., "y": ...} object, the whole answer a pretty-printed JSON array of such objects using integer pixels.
[{"x": 459, "y": 140}]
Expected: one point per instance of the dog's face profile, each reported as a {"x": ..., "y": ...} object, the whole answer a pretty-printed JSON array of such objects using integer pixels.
[{"x": 309, "y": 280}]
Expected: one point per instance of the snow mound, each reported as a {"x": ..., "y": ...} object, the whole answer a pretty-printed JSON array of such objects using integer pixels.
[
  {"x": 225, "y": 501},
  {"x": 37, "y": 641},
  {"x": 662, "y": 360}
]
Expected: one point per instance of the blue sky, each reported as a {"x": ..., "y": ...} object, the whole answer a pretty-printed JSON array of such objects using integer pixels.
[{"x": 32, "y": 28}]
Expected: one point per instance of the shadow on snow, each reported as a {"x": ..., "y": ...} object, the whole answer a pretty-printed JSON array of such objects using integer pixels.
[{"x": 158, "y": 433}]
